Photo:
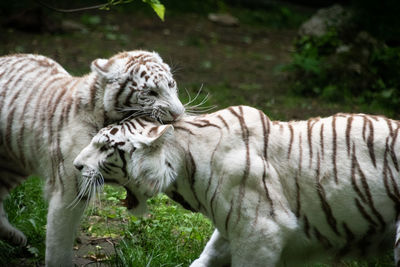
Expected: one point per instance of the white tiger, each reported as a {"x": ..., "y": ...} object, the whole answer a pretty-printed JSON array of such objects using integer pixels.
[
  {"x": 278, "y": 193},
  {"x": 47, "y": 116}
]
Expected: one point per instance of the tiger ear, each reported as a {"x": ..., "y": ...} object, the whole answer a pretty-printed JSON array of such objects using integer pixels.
[
  {"x": 162, "y": 134},
  {"x": 100, "y": 66}
]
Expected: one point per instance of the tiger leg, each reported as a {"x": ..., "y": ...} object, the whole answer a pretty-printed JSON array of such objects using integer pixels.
[
  {"x": 216, "y": 253},
  {"x": 397, "y": 244},
  {"x": 62, "y": 224},
  {"x": 8, "y": 232}
]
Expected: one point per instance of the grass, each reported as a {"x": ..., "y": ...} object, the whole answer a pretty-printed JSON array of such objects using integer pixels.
[
  {"x": 170, "y": 236},
  {"x": 26, "y": 210}
]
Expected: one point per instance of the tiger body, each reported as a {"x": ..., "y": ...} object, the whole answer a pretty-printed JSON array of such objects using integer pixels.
[
  {"x": 47, "y": 116},
  {"x": 278, "y": 193}
]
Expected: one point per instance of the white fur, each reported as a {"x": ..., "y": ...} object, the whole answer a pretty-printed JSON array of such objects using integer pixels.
[{"x": 278, "y": 193}]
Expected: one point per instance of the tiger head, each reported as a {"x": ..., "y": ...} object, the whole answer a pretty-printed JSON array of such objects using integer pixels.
[
  {"x": 130, "y": 156},
  {"x": 138, "y": 83}
]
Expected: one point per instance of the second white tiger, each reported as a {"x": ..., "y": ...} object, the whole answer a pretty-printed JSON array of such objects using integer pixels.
[{"x": 278, "y": 193}]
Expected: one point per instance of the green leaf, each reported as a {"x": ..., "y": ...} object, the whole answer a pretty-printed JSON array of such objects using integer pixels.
[{"x": 157, "y": 7}]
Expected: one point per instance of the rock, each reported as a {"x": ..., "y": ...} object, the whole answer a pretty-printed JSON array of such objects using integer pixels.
[
  {"x": 343, "y": 49},
  {"x": 318, "y": 25},
  {"x": 71, "y": 26},
  {"x": 224, "y": 19}
]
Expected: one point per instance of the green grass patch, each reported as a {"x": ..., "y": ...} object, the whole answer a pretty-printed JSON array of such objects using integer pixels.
[
  {"x": 26, "y": 210},
  {"x": 170, "y": 236}
]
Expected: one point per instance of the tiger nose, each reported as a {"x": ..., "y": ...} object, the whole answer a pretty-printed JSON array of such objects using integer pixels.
[
  {"x": 176, "y": 114},
  {"x": 78, "y": 166}
]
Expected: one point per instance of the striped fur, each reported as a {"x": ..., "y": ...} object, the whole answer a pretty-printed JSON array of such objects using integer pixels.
[
  {"x": 278, "y": 193},
  {"x": 47, "y": 116}
]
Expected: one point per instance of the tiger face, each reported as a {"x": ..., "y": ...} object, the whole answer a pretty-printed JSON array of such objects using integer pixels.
[
  {"x": 134, "y": 160},
  {"x": 138, "y": 83}
]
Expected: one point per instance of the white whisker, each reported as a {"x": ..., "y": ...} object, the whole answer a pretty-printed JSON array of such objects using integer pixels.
[
  {"x": 190, "y": 98},
  {"x": 196, "y": 96},
  {"x": 90, "y": 186}
]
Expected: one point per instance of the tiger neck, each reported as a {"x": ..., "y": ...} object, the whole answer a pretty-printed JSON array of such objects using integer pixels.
[{"x": 89, "y": 100}]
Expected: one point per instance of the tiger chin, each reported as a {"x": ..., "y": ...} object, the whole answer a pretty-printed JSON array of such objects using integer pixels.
[{"x": 278, "y": 193}]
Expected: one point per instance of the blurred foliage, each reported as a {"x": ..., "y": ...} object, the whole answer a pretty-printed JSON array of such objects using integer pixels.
[
  {"x": 357, "y": 67},
  {"x": 275, "y": 16},
  {"x": 362, "y": 73}
]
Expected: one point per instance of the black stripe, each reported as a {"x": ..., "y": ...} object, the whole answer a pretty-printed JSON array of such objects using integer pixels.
[
  {"x": 267, "y": 195},
  {"x": 368, "y": 194},
  {"x": 183, "y": 129},
  {"x": 334, "y": 147},
  {"x": 324, "y": 203},
  {"x": 213, "y": 197},
  {"x": 193, "y": 169},
  {"x": 122, "y": 156},
  {"x": 321, "y": 141},
  {"x": 291, "y": 139},
  {"x": 364, "y": 213},
  {"x": 175, "y": 196},
  {"x": 395, "y": 198},
  {"x": 353, "y": 176},
  {"x": 246, "y": 171},
  {"x": 392, "y": 153},
  {"x": 223, "y": 121},
  {"x": 206, "y": 123},
  {"x": 307, "y": 226},
  {"x": 266, "y": 133},
  {"x": 350, "y": 237},
  {"x": 348, "y": 131},
  {"x": 322, "y": 239},
  {"x": 228, "y": 217},
  {"x": 370, "y": 143},
  {"x": 298, "y": 199},
  {"x": 211, "y": 165}
]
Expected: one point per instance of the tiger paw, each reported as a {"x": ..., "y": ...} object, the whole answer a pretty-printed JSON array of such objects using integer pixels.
[{"x": 14, "y": 237}]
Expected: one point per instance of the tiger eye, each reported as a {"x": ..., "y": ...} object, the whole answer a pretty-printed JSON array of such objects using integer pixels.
[
  {"x": 153, "y": 93},
  {"x": 103, "y": 148}
]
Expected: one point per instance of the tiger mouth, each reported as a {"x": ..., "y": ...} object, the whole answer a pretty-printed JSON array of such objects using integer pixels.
[{"x": 131, "y": 201}]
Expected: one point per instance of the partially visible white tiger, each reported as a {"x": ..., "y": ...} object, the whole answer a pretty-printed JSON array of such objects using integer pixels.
[
  {"x": 278, "y": 193},
  {"x": 47, "y": 116}
]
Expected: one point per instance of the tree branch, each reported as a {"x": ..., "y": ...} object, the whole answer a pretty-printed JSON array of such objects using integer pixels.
[{"x": 71, "y": 10}]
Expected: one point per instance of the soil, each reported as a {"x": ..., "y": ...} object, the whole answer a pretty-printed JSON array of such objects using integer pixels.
[{"x": 92, "y": 250}]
